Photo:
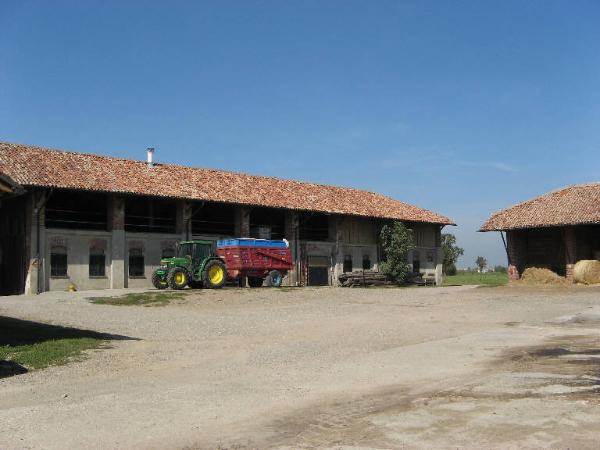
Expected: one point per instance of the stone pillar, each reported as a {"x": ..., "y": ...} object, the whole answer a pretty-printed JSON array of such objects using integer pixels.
[
  {"x": 35, "y": 281},
  {"x": 516, "y": 247},
  {"x": 439, "y": 266},
  {"x": 116, "y": 217},
  {"x": 570, "y": 253},
  {"x": 291, "y": 234},
  {"x": 439, "y": 256},
  {"x": 335, "y": 232},
  {"x": 242, "y": 221}
]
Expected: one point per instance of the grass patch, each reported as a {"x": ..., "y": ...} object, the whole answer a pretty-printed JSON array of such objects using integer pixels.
[
  {"x": 49, "y": 353},
  {"x": 482, "y": 279},
  {"x": 140, "y": 299},
  {"x": 27, "y": 345}
]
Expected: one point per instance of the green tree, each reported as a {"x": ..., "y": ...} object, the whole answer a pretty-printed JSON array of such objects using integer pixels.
[
  {"x": 451, "y": 253},
  {"x": 481, "y": 263},
  {"x": 396, "y": 241},
  {"x": 501, "y": 269}
]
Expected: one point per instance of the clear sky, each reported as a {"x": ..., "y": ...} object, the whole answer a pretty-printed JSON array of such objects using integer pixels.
[{"x": 464, "y": 108}]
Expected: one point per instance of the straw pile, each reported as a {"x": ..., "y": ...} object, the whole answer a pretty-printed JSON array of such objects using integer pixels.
[
  {"x": 538, "y": 275},
  {"x": 587, "y": 271}
]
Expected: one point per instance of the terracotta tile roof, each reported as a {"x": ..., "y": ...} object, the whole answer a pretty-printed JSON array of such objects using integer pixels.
[
  {"x": 35, "y": 166},
  {"x": 572, "y": 205}
]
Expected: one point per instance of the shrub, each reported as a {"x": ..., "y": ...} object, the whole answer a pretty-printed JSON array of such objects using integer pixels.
[
  {"x": 451, "y": 269},
  {"x": 396, "y": 241},
  {"x": 451, "y": 253}
]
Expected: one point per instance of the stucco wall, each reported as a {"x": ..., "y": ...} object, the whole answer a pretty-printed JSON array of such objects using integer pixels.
[
  {"x": 355, "y": 237},
  {"x": 77, "y": 244}
]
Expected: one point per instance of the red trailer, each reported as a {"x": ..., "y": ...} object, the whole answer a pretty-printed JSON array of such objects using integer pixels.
[{"x": 257, "y": 259}]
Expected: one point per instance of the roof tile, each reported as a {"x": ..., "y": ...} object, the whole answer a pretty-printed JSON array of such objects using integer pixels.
[
  {"x": 36, "y": 166},
  {"x": 572, "y": 205}
]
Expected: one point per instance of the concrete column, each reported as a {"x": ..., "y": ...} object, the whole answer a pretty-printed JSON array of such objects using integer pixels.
[
  {"x": 570, "y": 253},
  {"x": 242, "y": 221},
  {"x": 335, "y": 231},
  {"x": 35, "y": 282},
  {"x": 291, "y": 234},
  {"x": 516, "y": 247},
  {"x": 439, "y": 266},
  {"x": 116, "y": 217}
]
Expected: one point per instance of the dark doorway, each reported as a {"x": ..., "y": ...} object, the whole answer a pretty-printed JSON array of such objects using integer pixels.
[
  {"x": 13, "y": 262},
  {"x": 416, "y": 262},
  {"x": 318, "y": 271}
]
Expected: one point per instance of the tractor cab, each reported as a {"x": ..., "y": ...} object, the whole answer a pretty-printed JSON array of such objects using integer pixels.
[
  {"x": 194, "y": 250},
  {"x": 195, "y": 264}
]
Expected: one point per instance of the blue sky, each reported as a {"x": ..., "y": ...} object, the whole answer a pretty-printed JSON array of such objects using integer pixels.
[{"x": 460, "y": 107}]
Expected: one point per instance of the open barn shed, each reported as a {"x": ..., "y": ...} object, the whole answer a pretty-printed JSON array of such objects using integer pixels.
[
  {"x": 553, "y": 231},
  {"x": 102, "y": 222}
]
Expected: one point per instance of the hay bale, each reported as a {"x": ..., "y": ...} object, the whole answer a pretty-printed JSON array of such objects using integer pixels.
[
  {"x": 587, "y": 271},
  {"x": 540, "y": 275}
]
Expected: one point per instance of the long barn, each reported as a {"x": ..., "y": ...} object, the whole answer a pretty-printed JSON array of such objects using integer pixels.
[{"x": 103, "y": 222}]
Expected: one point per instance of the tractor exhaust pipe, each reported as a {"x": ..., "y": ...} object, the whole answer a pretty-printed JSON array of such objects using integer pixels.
[{"x": 150, "y": 152}]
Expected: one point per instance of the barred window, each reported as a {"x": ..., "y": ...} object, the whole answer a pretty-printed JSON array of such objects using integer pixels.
[
  {"x": 136, "y": 262},
  {"x": 58, "y": 261},
  {"x": 97, "y": 266}
]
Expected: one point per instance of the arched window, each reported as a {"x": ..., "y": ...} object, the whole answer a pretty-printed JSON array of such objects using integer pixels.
[
  {"x": 416, "y": 262},
  {"x": 97, "y": 263},
  {"x": 347, "y": 263},
  {"x": 58, "y": 261},
  {"x": 136, "y": 262}
]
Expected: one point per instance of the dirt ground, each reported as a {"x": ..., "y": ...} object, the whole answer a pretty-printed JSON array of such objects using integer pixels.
[{"x": 454, "y": 367}]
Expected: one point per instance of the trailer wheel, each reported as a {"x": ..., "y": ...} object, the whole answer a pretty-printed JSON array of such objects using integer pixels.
[
  {"x": 178, "y": 278},
  {"x": 255, "y": 282},
  {"x": 274, "y": 279},
  {"x": 158, "y": 281},
  {"x": 215, "y": 274}
]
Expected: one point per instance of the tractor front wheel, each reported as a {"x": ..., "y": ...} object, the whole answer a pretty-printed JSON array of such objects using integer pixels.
[
  {"x": 178, "y": 278},
  {"x": 159, "y": 281},
  {"x": 215, "y": 274}
]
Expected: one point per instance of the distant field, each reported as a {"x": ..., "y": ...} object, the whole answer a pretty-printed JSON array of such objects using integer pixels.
[{"x": 484, "y": 279}]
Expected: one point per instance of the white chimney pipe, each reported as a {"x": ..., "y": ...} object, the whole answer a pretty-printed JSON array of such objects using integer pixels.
[{"x": 150, "y": 151}]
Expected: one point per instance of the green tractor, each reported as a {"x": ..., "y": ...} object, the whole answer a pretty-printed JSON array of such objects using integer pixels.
[{"x": 195, "y": 264}]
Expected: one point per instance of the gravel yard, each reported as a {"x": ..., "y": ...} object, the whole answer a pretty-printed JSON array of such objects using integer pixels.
[{"x": 458, "y": 367}]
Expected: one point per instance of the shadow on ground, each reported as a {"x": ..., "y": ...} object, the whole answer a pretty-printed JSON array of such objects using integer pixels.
[{"x": 18, "y": 332}]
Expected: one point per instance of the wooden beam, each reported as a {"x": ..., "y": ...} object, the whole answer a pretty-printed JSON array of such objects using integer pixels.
[{"x": 5, "y": 187}]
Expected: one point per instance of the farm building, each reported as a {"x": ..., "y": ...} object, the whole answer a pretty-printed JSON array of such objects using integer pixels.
[
  {"x": 553, "y": 231},
  {"x": 102, "y": 222}
]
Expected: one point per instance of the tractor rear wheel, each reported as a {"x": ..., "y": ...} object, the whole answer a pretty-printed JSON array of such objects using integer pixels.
[
  {"x": 158, "y": 281},
  {"x": 215, "y": 274},
  {"x": 178, "y": 278},
  {"x": 274, "y": 279},
  {"x": 255, "y": 282}
]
